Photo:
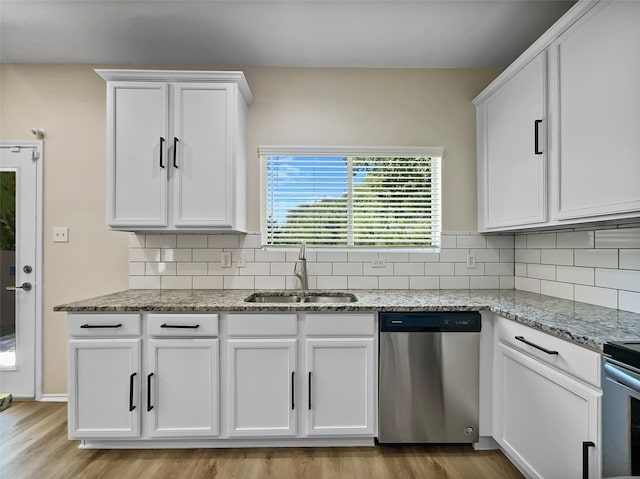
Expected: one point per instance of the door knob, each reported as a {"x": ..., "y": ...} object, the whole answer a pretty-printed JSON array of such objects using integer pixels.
[{"x": 24, "y": 286}]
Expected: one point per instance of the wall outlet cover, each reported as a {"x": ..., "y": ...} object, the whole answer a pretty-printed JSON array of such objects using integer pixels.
[
  {"x": 60, "y": 234},
  {"x": 242, "y": 262},
  {"x": 471, "y": 261},
  {"x": 378, "y": 263}
]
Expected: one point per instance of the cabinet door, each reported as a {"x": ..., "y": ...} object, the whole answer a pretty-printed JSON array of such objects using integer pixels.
[
  {"x": 596, "y": 165},
  {"x": 202, "y": 148},
  {"x": 104, "y": 388},
  {"x": 543, "y": 417},
  {"x": 182, "y": 388},
  {"x": 341, "y": 388},
  {"x": 261, "y": 387},
  {"x": 137, "y": 154},
  {"x": 512, "y": 163}
]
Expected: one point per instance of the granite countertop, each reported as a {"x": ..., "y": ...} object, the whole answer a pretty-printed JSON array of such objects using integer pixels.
[{"x": 581, "y": 323}]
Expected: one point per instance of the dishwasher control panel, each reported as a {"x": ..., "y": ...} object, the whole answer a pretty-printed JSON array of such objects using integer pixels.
[{"x": 431, "y": 321}]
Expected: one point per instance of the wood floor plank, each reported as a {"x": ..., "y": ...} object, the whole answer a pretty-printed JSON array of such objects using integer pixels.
[{"x": 34, "y": 445}]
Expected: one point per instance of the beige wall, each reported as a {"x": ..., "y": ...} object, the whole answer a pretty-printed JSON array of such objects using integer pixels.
[{"x": 291, "y": 106}]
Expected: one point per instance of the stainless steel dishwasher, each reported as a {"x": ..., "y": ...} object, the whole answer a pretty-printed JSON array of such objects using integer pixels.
[{"x": 429, "y": 377}]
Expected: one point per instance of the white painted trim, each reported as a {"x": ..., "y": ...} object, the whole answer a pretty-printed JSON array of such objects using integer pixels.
[
  {"x": 313, "y": 150},
  {"x": 54, "y": 398},
  {"x": 180, "y": 76},
  {"x": 225, "y": 443}
]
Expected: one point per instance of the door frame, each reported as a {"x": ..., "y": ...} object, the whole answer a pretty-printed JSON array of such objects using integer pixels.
[{"x": 37, "y": 147}]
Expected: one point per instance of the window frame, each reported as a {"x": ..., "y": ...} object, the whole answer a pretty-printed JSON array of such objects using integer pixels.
[{"x": 348, "y": 151}]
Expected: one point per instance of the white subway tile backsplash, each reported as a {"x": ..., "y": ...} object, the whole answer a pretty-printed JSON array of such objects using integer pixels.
[
  {"x": 160, "y": 269},
  {"x": 541, "y": 271},
  {"x": 628, "y": 301},
  {"x": 216, "y": 269},
  {"x": 161, "y": 241},
  {"x": 498, "y": 269},
  {"x": 453, "y": 255},
  {"x": 521, "y": 269},
  {"x": 507, "y": 255},
  {"x": 602, "y": 258},
  {"x": 424, "y": 282},
  {"x": 394, "y": 256},
  {"x": 286, "y": 269},
  {"x": 263, "y": 256},
  {"x": 471, "y": 241},
  {"x": 192, "y": 241},
  {"x": 269, "y": 282},
  {"x": 462, "y": 270},
  {"x": 484, "y": 282},
  {"x": 527, "y": 284},
  {"x": 137, "y": 269},
  {"x": 369, "y": 270},
  {"x": 314, "y": 269},
  {"x": 329, "y": 256},
  {"x": 144, "y": 282},
  {"x": 252, "y": 241},
  {"x": 238, "y": 282},
  {"x": 293, "y": 256},
  {"x": 528, "y": 255},
  {"x": 557, "y": 256},
  {"x": 408, "y": 269},
  {"x": 507, "y": 282},
  {"x": 575, "y": 239},
  {"x": 247, "y": 254},
  {"x": 173, "y": 254},
  {"x": 439, "y": 269},
  {"x": 541, "y": 240},
  {"x": 256, "y": 269},
  {"x": 576, "y": 275},
  {"x": 137, "y": 241},
  {"x": 176, "y": 282},
  {"x": 347, "y": 269},
  {"x": 207, "y": 282},
  {"x": 520, "y": 241},
  {"x": 618, "y": 238},
  {"x": 599, "y": 296},
  {"x": 448, "y": 241},
  {"x": 628, "y": 280},
  {"x": 362, "y": 256},
  {"x": 393, "y": 282},
  {"x": 362, "y": 282},
  {"x": 556, "y": 289},
  {"x": 209, "y": 254},
  {"x": 491, "y": 255},
  {"x": 144, "y": 254},
  {"x": 630, "y": 259},
  {"x": 500, "y": 242},
  {"x": 454, "y": 282},
  {"x": 424, "y": 257},
  {"x": 332, "y": 282},
  {"x": 223, "y": 241},
  {"x": 192, "y": 269}
]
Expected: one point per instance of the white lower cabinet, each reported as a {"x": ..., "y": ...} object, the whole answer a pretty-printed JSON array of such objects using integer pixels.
[
  {"x": 261, "y": 387},
  {"x": 341, "y": 386},
  {"x": 182, "y": 388},
  {"x": 104, "y": 388},
  {"x": 544, "y": 420}
]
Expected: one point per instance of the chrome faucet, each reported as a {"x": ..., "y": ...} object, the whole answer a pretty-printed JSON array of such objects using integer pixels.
[{"x": 300, "y": 269}]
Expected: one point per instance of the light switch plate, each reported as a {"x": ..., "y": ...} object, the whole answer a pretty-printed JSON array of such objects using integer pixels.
[
  {"x": 378, "y": 263},
  {"x": 242, "y": 262},
  {"x": 225, "y": 259},
  {"x": 60, "y": 234}
]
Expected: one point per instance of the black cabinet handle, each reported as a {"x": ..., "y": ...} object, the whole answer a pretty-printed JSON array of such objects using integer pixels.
[
  {"x": 179, "y": 326},
  {"x": 585, "y": 458},
  {"x": 131, "y": 405},
  {"x": 149, "y": 406},
  {"x": 533, "y": 345},
  {"x": 309, "y": 390},
  {"x": 101, "y": 326},
  {"x": 536, "y": 133},
  {"x": 175, "y": 151},
  {"x": 161, "y": 151},
  {"x": 293, "y": 390}
]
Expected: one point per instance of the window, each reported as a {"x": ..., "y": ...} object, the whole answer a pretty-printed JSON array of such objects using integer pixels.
[{"x": 351, "y": 197}]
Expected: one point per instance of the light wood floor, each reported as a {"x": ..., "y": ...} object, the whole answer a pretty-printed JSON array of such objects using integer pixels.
[{"x": 34, "y": 445}]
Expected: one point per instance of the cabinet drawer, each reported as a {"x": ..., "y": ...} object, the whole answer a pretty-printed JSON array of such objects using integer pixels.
[
  {"x": 571, "y": 358},
  {"x": 263, "y": 324},
  {"x": 99, "y": 325},
  {"x": 183, "y": 325},
  {"x": 337, "y": 324}
]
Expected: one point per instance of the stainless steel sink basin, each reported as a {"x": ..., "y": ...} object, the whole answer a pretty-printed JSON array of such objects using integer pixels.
[{"x": 309, "y": 297}]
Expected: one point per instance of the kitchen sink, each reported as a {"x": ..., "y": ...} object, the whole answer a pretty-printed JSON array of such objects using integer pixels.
[{"x": 309, "y": 297}]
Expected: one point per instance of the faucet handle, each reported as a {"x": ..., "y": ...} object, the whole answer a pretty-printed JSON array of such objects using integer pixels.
[{"x": 303, "y": 250}]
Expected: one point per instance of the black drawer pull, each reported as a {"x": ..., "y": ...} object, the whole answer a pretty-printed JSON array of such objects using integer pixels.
[
  {"x": 131, "y": 405},
  {"x": 585, "y": 458},
  {"x": 149, "y": 406},
  {"x": 533, "y": 345},
  {"x": 175, "y": 151},
  {"x": 536, "y": 146},
  {"x": 101, "y": 326},
  {"x": 293, "y": 390},
  {"x": 309, "y": 390},
  {"x": 161, "y": 149},
  {"x": 179, "y": 326}
]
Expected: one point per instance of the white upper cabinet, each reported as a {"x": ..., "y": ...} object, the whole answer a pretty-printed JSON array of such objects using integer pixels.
[
  {"x": 176, "y": 150},
  {"x": 596, "y": 96},
  {"x": 512, "y": 175},
  {"x": 580, "y": 163}
]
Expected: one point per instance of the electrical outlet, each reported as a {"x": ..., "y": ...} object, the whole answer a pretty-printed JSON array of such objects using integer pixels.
[
  {"x": 471, "y": 261},
  {"x": 242, "y": 262},
  {"x": 378, "y": 263},
  {"x": 61, "y": 234},
  {"x": 225, "y": 259}
]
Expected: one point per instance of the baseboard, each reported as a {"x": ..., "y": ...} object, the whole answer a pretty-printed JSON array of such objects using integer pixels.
[
  {"x": 486, "y": 443},
  {"x": 54, "y": 398}
]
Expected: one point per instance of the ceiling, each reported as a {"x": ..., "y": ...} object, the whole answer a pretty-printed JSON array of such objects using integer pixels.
[{"x": 292, "y": 33}]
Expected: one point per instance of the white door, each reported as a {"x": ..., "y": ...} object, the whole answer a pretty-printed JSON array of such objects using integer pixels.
[
  {"x": 261, "y": 387},
  {"x": 597, "y": 98},
  {"x": 20, "y": 174},
  {"x": 104, "y": 388},
  {"x": 341, "y": 374},
  {"x": 182, "y": 388},
  {"x": 514, "y": 166},
  {"x": 201, "y": 154},
  {"x": 137, "y": 154},
  {"x": 543, "y": 418}
]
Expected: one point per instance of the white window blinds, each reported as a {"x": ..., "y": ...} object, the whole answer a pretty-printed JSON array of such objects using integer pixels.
[{"x": 361, "y": 198}]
